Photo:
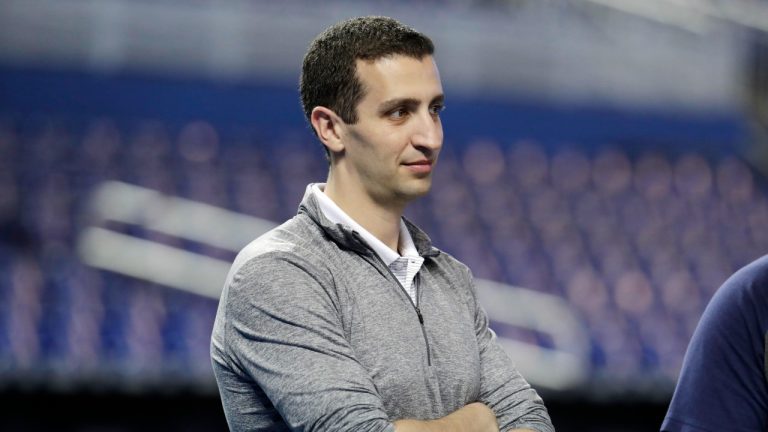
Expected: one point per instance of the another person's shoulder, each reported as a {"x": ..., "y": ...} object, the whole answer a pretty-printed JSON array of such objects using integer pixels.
[
  {"x": 722, "y": 385},
  {"x": 745, "y": 291},
  {"x": 752, "y": 276}
]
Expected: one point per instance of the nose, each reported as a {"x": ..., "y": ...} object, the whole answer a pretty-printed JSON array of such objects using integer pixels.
[{"x": 428, "y": 133}]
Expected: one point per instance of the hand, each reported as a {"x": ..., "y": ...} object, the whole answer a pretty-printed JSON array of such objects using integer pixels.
[{"x": 475, "y": 417}]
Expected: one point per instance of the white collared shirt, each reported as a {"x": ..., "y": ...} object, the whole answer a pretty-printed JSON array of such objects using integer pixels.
[{"x": 404, "y": 265}]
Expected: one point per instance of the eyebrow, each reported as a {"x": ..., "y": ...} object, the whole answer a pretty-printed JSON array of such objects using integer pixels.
[{"x": 391, "y": 104}]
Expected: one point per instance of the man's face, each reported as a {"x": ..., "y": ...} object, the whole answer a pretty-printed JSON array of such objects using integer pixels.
[{"x": 393, "y": 147}]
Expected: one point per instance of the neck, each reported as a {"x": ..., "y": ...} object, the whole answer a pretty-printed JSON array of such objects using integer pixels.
[{"x": 380, "y": 219}]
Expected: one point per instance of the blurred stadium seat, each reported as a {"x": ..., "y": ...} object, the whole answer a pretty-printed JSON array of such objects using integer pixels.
[
  {"x": 636, "y": 242},
  {"x": 594, "y": 156}
]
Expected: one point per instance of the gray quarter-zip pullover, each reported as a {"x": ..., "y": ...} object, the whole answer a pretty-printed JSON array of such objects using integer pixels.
[{"x": 314, "y": 333}]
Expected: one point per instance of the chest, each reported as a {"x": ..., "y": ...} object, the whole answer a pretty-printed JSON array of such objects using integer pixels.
[{"x": 424, "y": 363}]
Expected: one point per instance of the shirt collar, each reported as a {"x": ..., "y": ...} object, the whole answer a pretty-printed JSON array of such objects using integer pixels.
[{"x": 336, "y": 215}]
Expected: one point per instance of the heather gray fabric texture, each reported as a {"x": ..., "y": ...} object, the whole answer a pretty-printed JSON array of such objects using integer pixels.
[{"x": 314, "y": 333}]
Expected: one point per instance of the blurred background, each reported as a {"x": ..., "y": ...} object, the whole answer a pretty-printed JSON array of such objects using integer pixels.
[{"x": 604, "y": 171}]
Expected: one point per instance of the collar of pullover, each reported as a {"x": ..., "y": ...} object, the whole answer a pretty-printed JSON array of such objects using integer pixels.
[{"x": 352, "y": 240}]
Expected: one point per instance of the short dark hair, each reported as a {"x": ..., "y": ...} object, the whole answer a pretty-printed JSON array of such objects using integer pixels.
[{"x": 328, "y": 74}]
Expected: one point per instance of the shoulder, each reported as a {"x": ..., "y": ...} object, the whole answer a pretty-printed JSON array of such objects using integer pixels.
[
  {"x": 297, "y": 240},
  {"x": 290, "y": 257},
  {"x": 738, "y": 312},
  {"x": 454, "y": 276},
  {"x": 279, "y": 270},
  {"x": 448, "y": 264},
  {"x": 751, "y": 279},
  {"x": 722, "y": 383},
  {"x": 744, "y": 296}
]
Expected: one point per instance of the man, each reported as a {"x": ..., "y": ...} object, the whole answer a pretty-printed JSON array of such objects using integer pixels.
[
  {"x": 345, "y": 317},
  {"x": 724, "y": 381}
]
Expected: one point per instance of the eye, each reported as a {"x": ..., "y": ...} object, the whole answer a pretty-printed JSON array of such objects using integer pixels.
[
  {"x": 436, "y": 109},
  {"x": 398, "y": 113}
]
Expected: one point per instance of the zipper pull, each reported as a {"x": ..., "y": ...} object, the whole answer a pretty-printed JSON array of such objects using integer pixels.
[{"x": 421, "y": 318}]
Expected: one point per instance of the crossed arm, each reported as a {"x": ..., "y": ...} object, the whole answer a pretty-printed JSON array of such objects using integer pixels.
[
  {"x": 284, "y": 332},
  {"x": 475, "y": 417}
]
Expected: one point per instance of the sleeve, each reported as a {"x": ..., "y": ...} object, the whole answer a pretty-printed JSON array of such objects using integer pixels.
[
  {"x": 283, "y": 330},
  {"x": 722, "y": 385},
  {"x": 502, "y": 387}
]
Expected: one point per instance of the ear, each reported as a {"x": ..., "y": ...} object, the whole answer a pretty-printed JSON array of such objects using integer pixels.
[{"x": 328, "y": 127}]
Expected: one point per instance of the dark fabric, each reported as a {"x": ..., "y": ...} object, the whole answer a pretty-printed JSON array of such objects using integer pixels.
[{"x": 722, "y": 385}]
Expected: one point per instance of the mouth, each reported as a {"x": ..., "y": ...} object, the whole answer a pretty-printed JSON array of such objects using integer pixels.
[
  {"x": 419, "y": 162},
  {"x": 420, "y": 166}
]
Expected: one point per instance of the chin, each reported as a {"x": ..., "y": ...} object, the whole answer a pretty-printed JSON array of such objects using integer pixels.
[{"x": 415, "y": 191}]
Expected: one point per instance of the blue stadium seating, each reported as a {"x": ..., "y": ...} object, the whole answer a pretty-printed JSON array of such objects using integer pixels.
[{"x": 636, "y": 242}]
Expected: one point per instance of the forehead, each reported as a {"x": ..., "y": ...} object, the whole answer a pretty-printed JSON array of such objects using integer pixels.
[{"x": 399, "y": 76}]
